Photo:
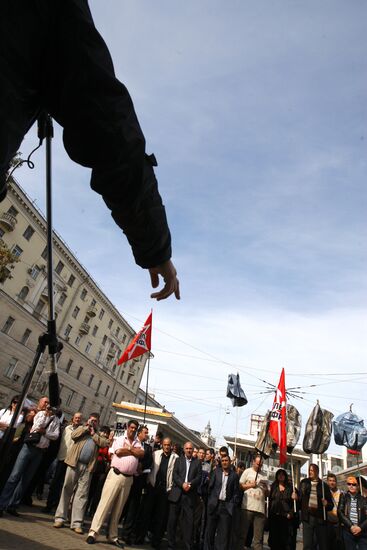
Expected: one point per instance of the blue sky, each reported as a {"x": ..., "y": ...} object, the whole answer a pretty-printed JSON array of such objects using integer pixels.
[{"x": 256, "y": 113}]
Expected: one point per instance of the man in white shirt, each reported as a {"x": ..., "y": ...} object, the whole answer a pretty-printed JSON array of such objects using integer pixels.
[
  {"x": 254, "y": 485},
  {"x": 29, "y": 458},
  {"x": 126, "y": 451},
  {"x": 160, "y": 482}
]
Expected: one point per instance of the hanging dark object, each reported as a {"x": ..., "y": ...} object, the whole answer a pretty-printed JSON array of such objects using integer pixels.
[
  {"x": 294, "y": 423},
  {"x": 235, "y": 392},
  {"x": 318, "y": 431},
  {"x": 349, "y": 430},
  {"x": 264, "y": 443}
]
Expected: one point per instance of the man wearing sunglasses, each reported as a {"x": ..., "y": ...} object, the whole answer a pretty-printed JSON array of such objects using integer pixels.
[{"x": 352, "y": 512}]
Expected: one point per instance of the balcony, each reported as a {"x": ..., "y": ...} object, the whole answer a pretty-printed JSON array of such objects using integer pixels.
[
  {"x": 91, "y": 311},
  {"x": 8, "y": 221},
  {"x": 84, "y": 328},
  {"x": 44, "y": 294},
  {"x": 111, "y": 352},
  {"x": 117, "y": 337}
]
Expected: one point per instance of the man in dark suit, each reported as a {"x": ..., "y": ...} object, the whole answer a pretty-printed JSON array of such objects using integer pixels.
[
  {"x": 183, "y": 496},
  {"x": 224, "y": 495}
]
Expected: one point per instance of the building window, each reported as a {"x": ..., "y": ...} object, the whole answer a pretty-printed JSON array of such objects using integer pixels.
[
  {"x": 44, "y": 253},
  {"x": 68, "y": 366},
  {"x": 82, "y": 404},
  {"x": 95, "y": 330},
  {"x": 104, "y": 340},
  {"x": 28, "y": 233},
  {"x": 115, "y": 398},
  {"x": 71, "y": 280},
  {"x": 39, "y": 307},
  {"x": 83, "y": 294},
  {"x": 99, "y": 386},
  {"x": 101, "y": 313},
  {"x": 87, "y": 349},
  {"x": 134, "y": 383},
  {"x": 107, "y": 390},
  {"x": 25, "y": 336},
  {"x": 122, "y": 374},
  {"x": 9, "y": 373},
  {"x": 62, "y": 299},
  {"x": 110, "y": 323},
  {"x": 23, "y": 293},
  {"x": 93, "y": 302},
  {"x": 70, "y": 398},
  {"x": 16, "y": 251},
  {"x": 35, "y": 271},
  {"x": 60, "y": 266},
  {"x": 79, "y": 373},
  {"x": 75, "y": 312},
  {"x": 67, "y": 331},
  {"x": 98, "y": 356},
  {"x": 90, "y": 379},
  {"x": 2, "y": 232},
  {"x": 13, "y": 211},
  {"x": 77, "y": 340},
  {"x": 124, "y": 339},
  {"x": 8, "y": 324}
]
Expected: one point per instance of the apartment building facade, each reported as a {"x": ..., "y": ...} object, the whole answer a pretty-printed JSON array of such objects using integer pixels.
[{"x": 92, "y": 330}]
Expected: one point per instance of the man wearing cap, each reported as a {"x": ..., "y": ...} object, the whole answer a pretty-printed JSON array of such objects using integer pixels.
[
  {"x": 126, "y": 452},
  {"x": 352, "y": 512}
]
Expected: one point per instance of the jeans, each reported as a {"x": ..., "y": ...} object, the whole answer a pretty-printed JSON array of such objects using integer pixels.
[
  {"x": 257, "y": 520},
  {"x": 351, "y": 542},
  {"x": 315, "y": 528},
  {"x": 23, "y": 471}
]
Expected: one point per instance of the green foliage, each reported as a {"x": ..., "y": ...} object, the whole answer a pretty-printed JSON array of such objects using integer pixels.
[{"x": 7, "y": 261}]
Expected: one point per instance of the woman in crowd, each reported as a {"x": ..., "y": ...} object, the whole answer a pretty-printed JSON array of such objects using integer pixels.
[
  {"x": 281, "y": 512},
  {"x": 7, "y": 414}
]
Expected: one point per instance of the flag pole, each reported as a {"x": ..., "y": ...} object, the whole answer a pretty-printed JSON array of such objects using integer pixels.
[
  {"x": 292, "y": 468},
  {"x": 322, "y": 486},
  {"x": 235, "y": 438},
  {"x": 294, "y": 488},
  {"x": 146, "y": 389},
  {"x": 359, "y": 475},
  {"x": 264, "y": 443}
]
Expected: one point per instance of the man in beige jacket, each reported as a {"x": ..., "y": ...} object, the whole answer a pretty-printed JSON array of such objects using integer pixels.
[{"x": 81, "y": 460}]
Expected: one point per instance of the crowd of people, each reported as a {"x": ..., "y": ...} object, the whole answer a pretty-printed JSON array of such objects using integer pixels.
[{"x": 136, "y": 489}]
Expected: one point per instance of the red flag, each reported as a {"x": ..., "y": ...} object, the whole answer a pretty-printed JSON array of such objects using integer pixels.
[
  {"x": 277, "y": 424},
  {"x": 140, "y": 344}
]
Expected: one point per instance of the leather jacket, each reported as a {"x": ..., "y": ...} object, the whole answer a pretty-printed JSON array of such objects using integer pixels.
[{"x": 344, "y": 511}]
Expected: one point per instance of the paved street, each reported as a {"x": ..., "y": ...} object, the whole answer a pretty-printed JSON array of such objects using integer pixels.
[{"x": 35, "y": 531}]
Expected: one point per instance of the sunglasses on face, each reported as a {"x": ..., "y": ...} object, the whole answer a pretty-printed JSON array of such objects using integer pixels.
[{"x": 352, "y": 484}]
